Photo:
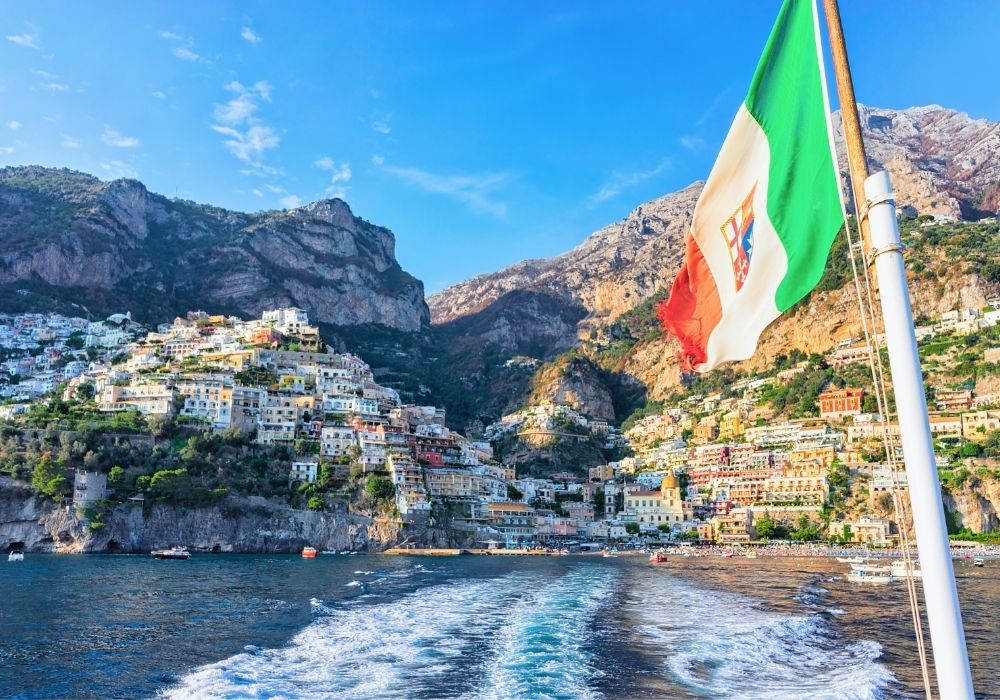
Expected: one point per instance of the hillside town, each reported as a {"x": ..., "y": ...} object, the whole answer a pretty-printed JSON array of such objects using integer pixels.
[{"x": 717, "y": 467}]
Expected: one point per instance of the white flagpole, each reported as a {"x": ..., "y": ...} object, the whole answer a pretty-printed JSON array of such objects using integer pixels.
[
  {"x": 882, "y": 249},
  {"x": 944, "y": 618}
]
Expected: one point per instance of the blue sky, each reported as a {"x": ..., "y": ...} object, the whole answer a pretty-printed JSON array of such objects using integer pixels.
[{"x": 481, "y": 133}]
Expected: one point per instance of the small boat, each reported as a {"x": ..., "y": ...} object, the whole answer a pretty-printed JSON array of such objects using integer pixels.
[
  {"x": 15, "y": 556},
  {"x": 751, "y": 555},
  {"x": 606, "y": 553},
  {"x": 872, "y": 575},
  {"x": 309, "y": 552},
  {"x": 850, "y": 560},
  {"x": 657, "y": 557},
  {"x": 900, "y": 569},
  {"x": 175, "y": 552},
  {"x": 979, "y": 562}
]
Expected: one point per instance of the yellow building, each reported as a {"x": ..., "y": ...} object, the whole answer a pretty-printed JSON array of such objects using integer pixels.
[
  {"x": 654, "y": 508},
  {"x": 731, "y": 425}
]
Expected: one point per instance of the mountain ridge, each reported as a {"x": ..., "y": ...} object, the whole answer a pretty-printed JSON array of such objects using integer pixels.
[
  {"x": 70, "y": 239},
  {"x": 942, "y": 161}
]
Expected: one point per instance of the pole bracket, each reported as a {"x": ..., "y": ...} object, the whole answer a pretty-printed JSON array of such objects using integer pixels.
[
  {"x": 874, "y": 202},
  {"x": 875, "y": 252}
]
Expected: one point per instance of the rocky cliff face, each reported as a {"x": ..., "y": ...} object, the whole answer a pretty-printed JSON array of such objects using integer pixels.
[
  {"x": 975, "y": 504},
  {"x": 68, "y": 240},
  {"x": 941, "y": 161},
  {"x": 252, "y": 524}
]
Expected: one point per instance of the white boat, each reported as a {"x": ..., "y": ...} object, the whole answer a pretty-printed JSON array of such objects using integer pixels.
[
  {"x": 15, "y": 556},
  {"x": 871, "y": 575},
  {"x": 174, "y": 552},
  {"x": 900, "y": 569},
  {"x": 978, "y": 562},
  {"x": 850, "y": 560}
]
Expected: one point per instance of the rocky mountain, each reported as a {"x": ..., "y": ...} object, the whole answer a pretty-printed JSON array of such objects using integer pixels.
[
  {"x": 69, "y": 241},
  {"x": 942, "y": 163}
]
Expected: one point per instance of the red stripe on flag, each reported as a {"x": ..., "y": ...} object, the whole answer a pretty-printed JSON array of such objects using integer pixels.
[{"x": 693, "y": 309}]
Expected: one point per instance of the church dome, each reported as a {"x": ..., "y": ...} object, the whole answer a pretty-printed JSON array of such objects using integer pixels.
[{"x": 670, "y": 482}]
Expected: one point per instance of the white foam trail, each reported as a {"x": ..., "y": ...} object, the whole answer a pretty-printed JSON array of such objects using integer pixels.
[
  {"x": 353, "y": 583},
  {"x": 389, "y": 650},
  {"x": 725, "y": 645},
  {"x": 540, "y": 652}
]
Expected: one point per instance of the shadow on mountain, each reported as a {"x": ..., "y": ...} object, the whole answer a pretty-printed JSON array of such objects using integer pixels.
[{"x": 522, "y": 322}]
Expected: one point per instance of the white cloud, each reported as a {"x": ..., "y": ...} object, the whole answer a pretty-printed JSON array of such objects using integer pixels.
[
  {"x": 473, "y": 190},
  {"x": 274, "y": 188},
  {"x": 13, "y": 125},
  {"x": 692, "y": 143},
  {"x": 185, "y": 47},
  {"x": 159, "y": 94},
  {"x": 29, "y": 39},
  {"x": 69, "y": 142},
  {"x": 382, "y": 124},
  {"x": 247, "y": 136},
  {"x": 292, "y": 201},
  {"x": 377, "y": 159},
  {"x": 115, "y": 138},
  {"x": 45, "y": 75},
  {"x": 185, "y": 54},
  {"x": 6, "y": 149},
  {"x": 250, "y": 35},
  {"x": 619, "y": 182},
  {"x": 251, "y": 144},
  {"x": 340, "y": 175},
  {"x": 55, "y": 87},
  {"x": 118, "y": 169},
  {"x": 256, "y": 192}
]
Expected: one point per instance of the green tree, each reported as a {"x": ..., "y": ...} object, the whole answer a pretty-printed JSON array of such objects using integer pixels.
[
  {"x": 116, "y": 477},
  {"x": 969, "y": 449},
  {"x": 632, "y": 528},
  {"x": 765, "y": 526},
  {"x": 85, "y": 391},
  {"x": 599, "y": 501},
  {"x": 379, "y": 488},
  {"x": 171, "y": 485},
  {"x": 514, "y": 493},
  {"x": 49, "y": 476},
  {"x": 316, "y": 503}
]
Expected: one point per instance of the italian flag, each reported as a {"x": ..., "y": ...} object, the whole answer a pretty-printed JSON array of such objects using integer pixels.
[{"x": 764, "y": 224}]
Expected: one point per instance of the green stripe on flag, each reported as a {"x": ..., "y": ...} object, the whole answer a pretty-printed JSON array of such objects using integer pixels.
[{"x": 803, "y": 198}]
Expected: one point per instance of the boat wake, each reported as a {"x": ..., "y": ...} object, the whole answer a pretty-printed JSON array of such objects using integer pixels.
[
  {"x": 514, "y": 636},
  {"x": 726, "y": 645}
]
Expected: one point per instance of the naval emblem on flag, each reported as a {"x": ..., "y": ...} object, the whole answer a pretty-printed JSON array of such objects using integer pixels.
[{"x": 738, "y": 232}]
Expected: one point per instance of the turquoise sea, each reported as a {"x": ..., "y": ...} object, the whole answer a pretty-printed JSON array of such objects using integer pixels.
[{"x": 359, "y": 626}]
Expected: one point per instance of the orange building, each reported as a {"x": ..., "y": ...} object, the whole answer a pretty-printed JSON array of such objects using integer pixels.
[{"x": 837, "y": 403}]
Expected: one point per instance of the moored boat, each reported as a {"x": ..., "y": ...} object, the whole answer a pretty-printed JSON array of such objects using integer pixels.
[
  {"x": 902, "y": 569},
  {"x": 978, "y": 562},
  {"x": 175, "y": 552},
  {"x": 850, "y": 560},
  {"x": 15, "y": 556},
  {"x": 872, "y": 575},
  {"x": 657, "y": 557},
  {"x": 309, "y": 552}
]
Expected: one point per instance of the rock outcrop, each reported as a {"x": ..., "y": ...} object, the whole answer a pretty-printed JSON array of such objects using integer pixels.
[
  {"x": 252, "y": 525},
  {"x": 975, "y": 504},
  {"x": 71, "y": 242}
]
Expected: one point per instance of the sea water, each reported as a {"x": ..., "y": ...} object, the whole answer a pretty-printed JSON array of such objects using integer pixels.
[{"x": 234, "y": 626}]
